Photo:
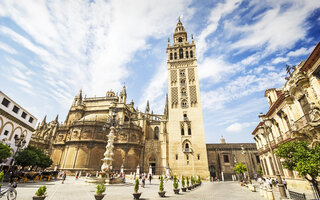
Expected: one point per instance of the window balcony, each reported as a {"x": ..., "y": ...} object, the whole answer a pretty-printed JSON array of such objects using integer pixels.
[{"x": 187, "y": 150}]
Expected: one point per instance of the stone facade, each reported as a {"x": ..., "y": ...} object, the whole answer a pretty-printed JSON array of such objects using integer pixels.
[
  {"x": 295, "y": 114},
  {"x": 223, "y": 157},
  {"x": 144, "y": 139}
]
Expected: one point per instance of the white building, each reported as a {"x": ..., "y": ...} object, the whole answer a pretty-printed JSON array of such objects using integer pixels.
[{"x": 14, "y": 121}]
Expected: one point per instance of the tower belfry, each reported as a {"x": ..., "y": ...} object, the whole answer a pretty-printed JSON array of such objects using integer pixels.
[{"x": 186, "y": 149}]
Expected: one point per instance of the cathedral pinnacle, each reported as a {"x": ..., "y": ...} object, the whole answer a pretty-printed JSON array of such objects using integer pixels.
[
  {"x": 147, "y": 107},
  {"x": 44, "y": 120}
]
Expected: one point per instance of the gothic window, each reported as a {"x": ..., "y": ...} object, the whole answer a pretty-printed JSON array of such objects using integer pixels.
[
  {"x": 189, "y": 131},
  {"x": 183, "y": 92},
  {"x": 182, "y": 73},
  {"x": 180, "y": 39},
  {"x": 156, "y": 133},
  {"x": 187, "y": 54},
  {"x": 191, "y": 54},
  {"x": 176, "y": 156},
  {"x": 175, "y": 55},
  {"x": 180, "y": 53},
  {"x": 182, "y": 131},
  {"x": 186, "y": 146},
  {"x": 183, "y": 82},
  {"x": 171, "y": 56},
  {"x": 184, "y": 104},
  {"x": 226, "y": 158}
]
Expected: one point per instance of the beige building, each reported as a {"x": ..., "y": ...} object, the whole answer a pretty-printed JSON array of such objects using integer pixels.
[
  {"x": 295, "y": 114},
  {"x": 224, "y": 156},
  {"x": 172, "y": 142},
  {"x": 15, "y": 121}
]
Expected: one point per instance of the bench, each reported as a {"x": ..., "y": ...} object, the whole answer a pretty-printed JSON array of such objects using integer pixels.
[{"x": 297, "y": 196}]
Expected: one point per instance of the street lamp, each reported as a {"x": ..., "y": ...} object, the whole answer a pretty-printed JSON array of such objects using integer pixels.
[
  {"x": 243, "y": 151},
  {"x": 265, "y": 131},
  {"x": 19, "y": 143}
]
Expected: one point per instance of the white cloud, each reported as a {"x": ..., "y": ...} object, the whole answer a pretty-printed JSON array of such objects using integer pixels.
[
  {"x": 279, "y": 60},
  {"x": 300, "y": 52},
  {"x": 7, "y": 48},
  {"x": 238, "y": 127}
]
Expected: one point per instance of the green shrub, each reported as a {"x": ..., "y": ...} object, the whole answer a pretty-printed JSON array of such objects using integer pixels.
[
  {"x": 101, "y": 188},
  {"x": 188, "y": 183},
  {"x": 161, "y": 188},
  {"x": 136, "y": 186},
  {"x": 175, "y": 182},
  {"x": 183, "y": 182},
  {"x": 192, "y": 180},
  {"x": 42, "y": 191},
  {"x": 199, "y": 179}
]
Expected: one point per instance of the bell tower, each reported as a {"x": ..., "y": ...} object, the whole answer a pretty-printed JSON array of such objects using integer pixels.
[{"x": 186, "y": 140}]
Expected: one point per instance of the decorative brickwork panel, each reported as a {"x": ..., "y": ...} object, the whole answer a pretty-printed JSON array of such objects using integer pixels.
[
  {"x": 174, "y": 95},
  {"x": 174, "y": 76},
  {"x": 193, "y": 94},
  {"x": 191, "y": 74}
]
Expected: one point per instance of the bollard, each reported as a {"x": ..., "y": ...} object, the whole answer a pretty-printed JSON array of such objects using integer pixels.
[{"x": 270, "y": 195}]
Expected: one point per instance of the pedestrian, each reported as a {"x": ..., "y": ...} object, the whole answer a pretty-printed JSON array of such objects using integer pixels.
[
  {"x": 284, "y": 183},
  {"x": 150, "y": 178},
  {"x": 260, "y": 180},
  {"x": 77, "y": 175},
  {"x": 64, "y": 176},
  {"x": 143, "y": 178}
]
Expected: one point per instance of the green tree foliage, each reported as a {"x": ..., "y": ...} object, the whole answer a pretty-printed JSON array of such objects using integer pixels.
[
  {"x": 192, "y": 180},
  {"x": 136, "y": 186},
  {"x": 298, "y": 156},
  {"x": 188, "y": 183},
  {"x": 183, "y": 182},
  {"x": 161, "y": 188},
  {"x": 101, "y": 188},
  {"x": 199, "y": 179},
  {"x": 31, "y": 156},
  {"x": 240, "y": 168},
  {"x": 259, "y": 171},
  {"x": 175, "y": 182},
  {"x": 4, "y": 151},
  {"x": 42, "y": 191}
]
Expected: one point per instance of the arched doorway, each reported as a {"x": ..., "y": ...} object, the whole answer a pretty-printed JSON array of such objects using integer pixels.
[
  {"x": 212, "y": 171},
  {"x": 152, "y": 163}
]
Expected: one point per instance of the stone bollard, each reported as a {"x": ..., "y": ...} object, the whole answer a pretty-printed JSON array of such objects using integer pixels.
[
  {"x": 270, "y": 194},
  {"x": 261, "y": 191}
]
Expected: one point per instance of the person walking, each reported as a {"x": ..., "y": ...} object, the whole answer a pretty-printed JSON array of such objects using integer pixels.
[
  {"x": 143, "y": 178},
  {"x": 284, "y": 183},
  {"x": 64, "y": 176},
  {"x": 150, "y": 178}
]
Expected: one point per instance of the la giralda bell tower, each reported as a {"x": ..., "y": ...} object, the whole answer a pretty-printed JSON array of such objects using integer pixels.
[{"x": 186, "y": 140}]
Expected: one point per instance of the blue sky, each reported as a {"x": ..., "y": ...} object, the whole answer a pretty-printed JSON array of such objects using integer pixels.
[{"x": 49, "y": 50}]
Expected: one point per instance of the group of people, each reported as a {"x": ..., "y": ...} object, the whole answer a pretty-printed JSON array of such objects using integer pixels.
[
  {"x": 270, "y": 182},
  {"x": 143, "y": 178}
]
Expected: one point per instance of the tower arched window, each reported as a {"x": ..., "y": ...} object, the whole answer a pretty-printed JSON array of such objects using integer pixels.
[
  {"x": 191, "y": 54},
  {"x": 189, "y": 131},
  {"x": 180, "y": 53},
  {"x": 183, "y": 82},
  {"x": 171, "y": 56},
  {"x": 175, "y": 55},
  {"x": 182, "y": 131},
  {"x": 183, "y": 92},
  {"x": 180, "y": 39},
  {"x": 184, "y": 104},
  {"x": 187, "y": 54},
  {"x": 156, "y": 133},
  {"x": 186, "y": 146}
]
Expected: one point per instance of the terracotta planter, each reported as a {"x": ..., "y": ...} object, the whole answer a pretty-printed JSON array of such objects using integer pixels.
[
  {"x": 38, "y": 198},
  {"x": 162, "y": 194},
  {"x": 98, "y": 196},
  {"x": 176, "y": 191},
  {"x": 184, "y": 189},
  {"x": 136, "y": 195}
]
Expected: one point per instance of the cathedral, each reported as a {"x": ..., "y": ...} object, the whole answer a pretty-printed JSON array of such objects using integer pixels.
[{"x": 173, "y": 141}]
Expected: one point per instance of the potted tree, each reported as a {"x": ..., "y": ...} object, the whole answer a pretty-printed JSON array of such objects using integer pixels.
[
  {"x": 41, "y": 193},
  {"x": 192, "y": 182},
  {"x": 101, "y": 188},
  {"x": 161, "y": 188},
  {"x": 240, "y": 169},
  {"x": 184, "y": 189},
  {"x": 188, "y": 183},
  {"x": 175, "y": 185},
  {"x": 136, "y": 194},
  {"x": 199, "y": 180}
]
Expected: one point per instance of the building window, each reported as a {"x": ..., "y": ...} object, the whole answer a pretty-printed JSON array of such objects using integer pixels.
[
  {"x": 180, "y": 39},
  {"x": 191, "y": 54},
  {"x": 184, "y": 104},
  {"x": 182, "y": 73},
  {"x": 258, "y": 160},
  {"x": 226, "y": 158},
  {"x": 189, "y": 131},
  {"x": 171, "y": 56},
  {"x": 186, "y": 147},
  {"x": 187, "y": 54},
  {"x": 183, "y": 82},
  {"x": 187, "y": 162},
  {"x": 182, "y": 131},
  {"x": 15, "y": 109},
  {"x": 5, "y": 102},
  {"x": 183, "y": 92},
  {"x": 156, "y": 133},
  {"x": 6, "y": 132},
  {"x": 198, "y": 156},
  {"x": 180, "y": 53},
  {"x": 185, "y": 117},
  {"x": 23, "y": 115},
  {"x": 176, "y": 156},
  {"x": 187, "y": 157},
  {"x": 30, "y": 119},
  {"x": 175, "y": 55}
]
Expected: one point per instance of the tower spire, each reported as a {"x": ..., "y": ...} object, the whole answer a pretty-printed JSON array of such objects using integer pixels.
[{"x": 147, "y": 107}]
